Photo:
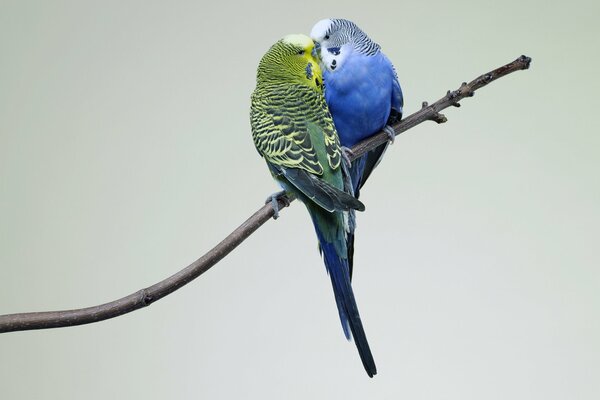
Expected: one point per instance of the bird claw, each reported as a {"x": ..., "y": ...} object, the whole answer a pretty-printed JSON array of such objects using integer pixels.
[
  {"x": 346, "y": 165},
  {"x": 390, "y": 132},
  {"x": 346, "y": 154},
  {"x": 274, "y": 200}
]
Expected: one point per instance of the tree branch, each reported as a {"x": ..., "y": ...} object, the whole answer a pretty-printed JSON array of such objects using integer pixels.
[{"x": 145, "y": 297}]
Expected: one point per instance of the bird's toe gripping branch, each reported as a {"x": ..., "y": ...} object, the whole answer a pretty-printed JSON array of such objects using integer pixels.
[
  {"x": 275, "y": 198},
  {"x": 347, "y": 155},
  {"x": 390, "y": 132}
]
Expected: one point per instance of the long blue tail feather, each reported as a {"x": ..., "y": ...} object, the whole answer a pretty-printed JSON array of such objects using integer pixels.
[{"x": 338, "y": 270}]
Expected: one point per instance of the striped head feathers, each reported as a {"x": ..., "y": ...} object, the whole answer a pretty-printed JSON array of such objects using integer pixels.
[
  {"x": 291, "y": 60},
  {"x": 336, "y": 38}
]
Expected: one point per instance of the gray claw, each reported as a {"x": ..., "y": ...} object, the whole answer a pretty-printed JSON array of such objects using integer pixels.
[
  {"x": 346, "y": 164},
  {"x": 346, "y": 154},
  {"x": 390, "y": 132},
  {"x": 274, "y": 200}
]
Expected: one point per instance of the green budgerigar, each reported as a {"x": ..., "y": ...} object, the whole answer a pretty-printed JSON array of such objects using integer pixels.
[{"x": 294, "y": 132}]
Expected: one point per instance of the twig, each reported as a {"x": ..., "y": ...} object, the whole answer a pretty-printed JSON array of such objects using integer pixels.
[{"x": 147, "y": 296}]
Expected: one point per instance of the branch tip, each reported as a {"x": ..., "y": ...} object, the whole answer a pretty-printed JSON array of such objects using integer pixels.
[{"x": 526, "y": 61}]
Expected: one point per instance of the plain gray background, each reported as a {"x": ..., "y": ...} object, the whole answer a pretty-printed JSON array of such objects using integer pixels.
[{"x": 125, "y": 154}]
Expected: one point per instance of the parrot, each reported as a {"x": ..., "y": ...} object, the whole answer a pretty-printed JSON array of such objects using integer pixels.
[
  {"x": 293, "y": 131},
  {"x": 362, "y": 92}
]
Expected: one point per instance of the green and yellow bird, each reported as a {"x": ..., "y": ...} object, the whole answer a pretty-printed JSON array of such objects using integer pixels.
[{"x": 294, "y": 131}]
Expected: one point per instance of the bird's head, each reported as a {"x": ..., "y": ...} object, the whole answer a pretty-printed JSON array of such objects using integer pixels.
[
  {"x": 291, "y": 60},
  {"x": 336, "y": 38}
]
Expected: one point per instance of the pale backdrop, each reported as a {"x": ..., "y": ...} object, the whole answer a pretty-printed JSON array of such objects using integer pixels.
[{"x": 125, "y": 154}]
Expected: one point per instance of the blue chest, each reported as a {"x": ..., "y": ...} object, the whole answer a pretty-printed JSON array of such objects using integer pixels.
[{"x": 359, "y": 96}]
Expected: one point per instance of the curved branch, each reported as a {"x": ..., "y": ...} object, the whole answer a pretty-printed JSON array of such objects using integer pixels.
[{"x": 145, "y": 297}]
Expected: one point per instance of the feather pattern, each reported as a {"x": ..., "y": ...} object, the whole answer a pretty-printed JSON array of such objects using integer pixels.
[
  {"x": 284, "y": 140},
  {"x": 294, "y": 131},
  {"x": 349, "y": 32}
]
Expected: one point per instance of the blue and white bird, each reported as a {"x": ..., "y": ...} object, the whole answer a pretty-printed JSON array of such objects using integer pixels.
[{"x": 361, "y": 90}]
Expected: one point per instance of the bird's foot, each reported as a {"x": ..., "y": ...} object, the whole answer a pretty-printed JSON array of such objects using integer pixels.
[
  {"x": 390, "y": 132},
  {"x": 274, "y": 200},
  {"x": 346, "y": 154},
  {"x": 346, "y": 164}
]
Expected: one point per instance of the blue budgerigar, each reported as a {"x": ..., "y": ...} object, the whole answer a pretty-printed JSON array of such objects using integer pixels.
[{"x": 361, "y": 90}]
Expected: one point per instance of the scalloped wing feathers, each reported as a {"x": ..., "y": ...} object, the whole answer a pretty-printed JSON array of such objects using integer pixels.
[{"x": 280, "y": 118}]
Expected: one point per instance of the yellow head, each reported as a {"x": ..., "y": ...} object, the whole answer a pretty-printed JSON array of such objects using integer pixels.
[{"x": 291, "y": 60}]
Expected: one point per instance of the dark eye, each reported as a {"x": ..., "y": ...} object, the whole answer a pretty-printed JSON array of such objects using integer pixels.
[
  {"x": 326, "y": 37},
  {"x": 301, "y": 52}
]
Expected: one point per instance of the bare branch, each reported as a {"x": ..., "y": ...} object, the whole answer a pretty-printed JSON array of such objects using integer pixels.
[{"x": 145, "y": 297}]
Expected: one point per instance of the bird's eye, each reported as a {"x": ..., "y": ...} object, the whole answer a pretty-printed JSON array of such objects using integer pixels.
[
  {"x": 326, "y": 37},
  {"x": 301, "y": 52}
]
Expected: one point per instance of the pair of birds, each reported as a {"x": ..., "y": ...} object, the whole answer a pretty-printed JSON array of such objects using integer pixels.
[{"x": 315, "y": 98}]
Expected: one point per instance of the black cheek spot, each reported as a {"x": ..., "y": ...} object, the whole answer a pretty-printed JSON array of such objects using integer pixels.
[
  {"x": 333, "y": 66},
  {"x": 309, "y": 73},
  {"x": 334, "y": 62}
]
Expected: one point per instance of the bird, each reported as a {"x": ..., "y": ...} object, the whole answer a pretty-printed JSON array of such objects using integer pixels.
[
  {"x": 293, "y": 131},
  {"x": 362, "y": 92}
]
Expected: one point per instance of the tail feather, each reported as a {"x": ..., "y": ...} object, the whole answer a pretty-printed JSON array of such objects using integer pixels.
[
  {"x": 351, "y": 252},
  {"x": 338, "y": 270}
]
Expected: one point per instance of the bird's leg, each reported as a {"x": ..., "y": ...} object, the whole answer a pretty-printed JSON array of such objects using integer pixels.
[
  {"x": 390, "y": 132},
  {"x": 274, "y": 200},
  {"x": 346, "y": 154},
  {"x": 346, "y": 164}
]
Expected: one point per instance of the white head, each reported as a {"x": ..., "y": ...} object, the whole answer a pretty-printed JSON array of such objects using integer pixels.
[{"x": 335, "y": 39}]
